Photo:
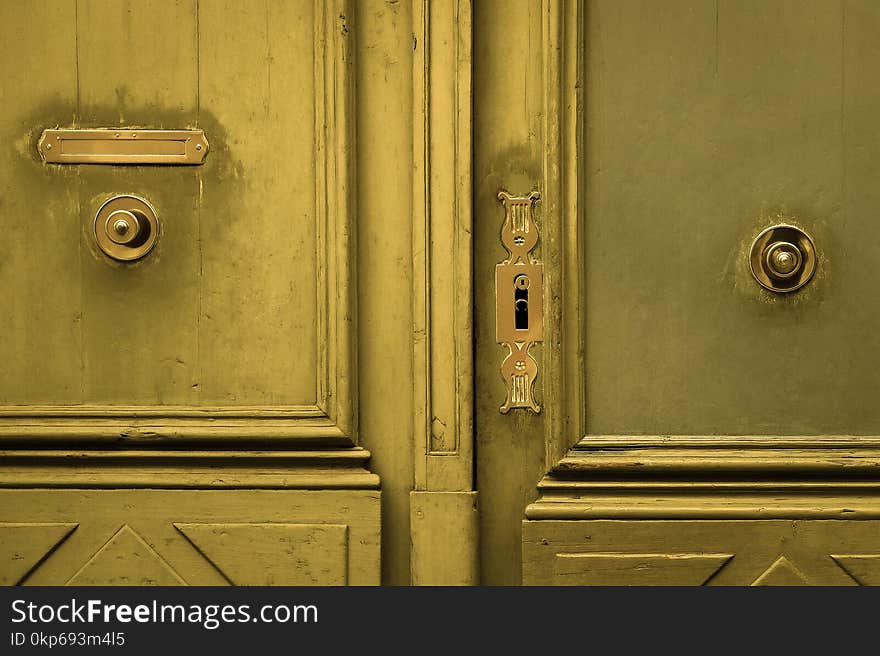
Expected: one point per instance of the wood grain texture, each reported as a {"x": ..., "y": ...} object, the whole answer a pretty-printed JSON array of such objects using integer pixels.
[
  {"x": 121, "y": 44},
  {"x": 563, "y": 166},
  {"x": 115, "y": 544},
  {"x": 637, "y": 568},
  {"x": 384, "y": 286},
  {"x": 731, "y": 116},
  {"x": 193, "y": 468},
  {"x": 442, "y": 247},
  {"x": 39, "y": 321},
  {"x": 259, "y": 245},
  {"x": 445, "y": 537},
  {"x": 708, "y": 136},
  {"x": 125, "y": 559},
  {"x": 238, "y": 329},
  {"x": 756, "y": 552},
  {"x": 139, "y": 321},
  {"x": 787, "y": 508},
  {"x": 277, "y": 554},
  {"x": 508, "y": 154},
  {"x": 863, "y": 568},
  {"x": 782, "y": 573},
  {"x": 247, "y": 303},
  {"x": 713, "y": 477},
  {"x": 24, "y": 546}
]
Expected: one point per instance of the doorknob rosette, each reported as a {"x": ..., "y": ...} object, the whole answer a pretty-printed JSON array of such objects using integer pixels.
[
  {"x": 782, "y": 258},
  {"x": 126, "y": 228}
]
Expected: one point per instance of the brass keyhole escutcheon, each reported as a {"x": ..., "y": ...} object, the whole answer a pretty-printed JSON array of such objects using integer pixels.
[
  {"x": 126, "y": 228},
  {"x": 521, "y": 302},
  {"x": 782, "y": 258}
]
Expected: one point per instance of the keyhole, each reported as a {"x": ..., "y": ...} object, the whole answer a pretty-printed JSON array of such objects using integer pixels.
[{"x": 521, "y": 302}]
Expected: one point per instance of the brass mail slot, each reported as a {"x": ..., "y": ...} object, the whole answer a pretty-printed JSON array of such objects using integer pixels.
[{"x": 108, "y": 146}]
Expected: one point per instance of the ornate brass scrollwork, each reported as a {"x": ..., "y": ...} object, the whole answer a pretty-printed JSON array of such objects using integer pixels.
[{"x": 519, "y": 300}]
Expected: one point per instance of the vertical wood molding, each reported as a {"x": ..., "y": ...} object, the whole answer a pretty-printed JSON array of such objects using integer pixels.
[
  {"x": 563, "y": 166},
  {"x": 442, "y": 251},
  {"x": 336, "y": 203},
  {"x": 443, "y": 507}
]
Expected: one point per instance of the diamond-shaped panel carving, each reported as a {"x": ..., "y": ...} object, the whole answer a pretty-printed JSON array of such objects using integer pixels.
[
  {"x": 864, "y": 569},
  {"x": 24, "y": 546},
  {"x": 274, "y": 554},
  {"x": 637, "y": 568},
  {"x": 126, "y": 559},
  {"x": 782, "y": 572}
]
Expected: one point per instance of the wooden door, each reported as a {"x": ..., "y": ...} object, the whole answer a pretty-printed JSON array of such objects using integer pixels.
[
  {"x": 696, "y": 428},
  {"x": 189, "y": 417},
  {"x": 202, "y": 415}
]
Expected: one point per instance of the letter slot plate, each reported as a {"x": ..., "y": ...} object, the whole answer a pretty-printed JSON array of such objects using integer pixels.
[
  {"x": 519, "y": 301},
  {"x": 119, "y": 146}
]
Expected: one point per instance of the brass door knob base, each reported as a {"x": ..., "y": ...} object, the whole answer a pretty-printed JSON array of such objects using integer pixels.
[
  {"x": 126, "y": 228},
  {"x": 782, "y": 258}
]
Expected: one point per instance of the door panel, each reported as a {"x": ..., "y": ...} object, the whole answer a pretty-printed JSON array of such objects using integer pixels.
[
  {"x": 263, "y": 205},
  {"x": 695, "y": 427},
  {"x": 701, "y": 553},
  {"x": 197, "y": 405},
  {"x": 243, "y": 308},
  {"x": 189, "y": 537},
  {"x": 236, "y": 268},
  {"x": 705, "y": 123}
]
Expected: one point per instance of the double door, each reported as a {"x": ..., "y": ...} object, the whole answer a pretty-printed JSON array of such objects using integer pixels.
[{"x": 538, "y": 291}]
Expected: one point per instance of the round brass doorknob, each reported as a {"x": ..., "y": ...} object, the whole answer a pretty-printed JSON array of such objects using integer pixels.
[
  {"x": 782, "y": 258},
  {"x": 126, "y": 228}
]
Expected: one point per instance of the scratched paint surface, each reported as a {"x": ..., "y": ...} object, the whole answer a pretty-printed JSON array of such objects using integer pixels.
[{"x": 225, "y": 310}]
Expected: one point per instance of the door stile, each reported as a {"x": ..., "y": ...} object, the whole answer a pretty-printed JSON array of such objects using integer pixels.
[{"x": 443, "y": 505}]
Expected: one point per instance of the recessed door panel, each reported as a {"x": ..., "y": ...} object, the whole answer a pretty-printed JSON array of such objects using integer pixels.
[
  {"x": 242, "y": 307},
  {"x": 706, "y": 123}
]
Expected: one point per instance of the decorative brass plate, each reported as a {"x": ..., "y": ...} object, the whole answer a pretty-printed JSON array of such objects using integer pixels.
[
  {"x": 126, "y": 228},
  {"x": 519, "y": 300},
  {"x": 108, "y": 146},
  {"x": 782, "y": 258}
]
